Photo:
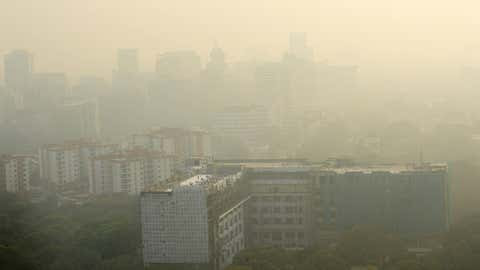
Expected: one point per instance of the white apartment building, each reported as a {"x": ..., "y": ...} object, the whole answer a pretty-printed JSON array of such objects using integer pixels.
[
  {"x": 198, "y": 221},
  {"x": 129, "y": 172},
  {"x": 68, "y": 162},
  {"x": 190, "y": 147},
  {"x": 16, "y": 172}
]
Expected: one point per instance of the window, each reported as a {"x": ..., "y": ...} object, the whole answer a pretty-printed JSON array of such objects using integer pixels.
[
  {"x": 277, "y": 236},
  {"x": 331, "y": 180},
  {"x": 323, "y": 179}
]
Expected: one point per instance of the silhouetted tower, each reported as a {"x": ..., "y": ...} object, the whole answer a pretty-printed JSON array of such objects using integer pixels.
[{"x": 18, "y": 68}]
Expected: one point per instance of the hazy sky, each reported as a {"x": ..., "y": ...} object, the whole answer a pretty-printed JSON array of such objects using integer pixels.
[{"x": 81, "y": 36}]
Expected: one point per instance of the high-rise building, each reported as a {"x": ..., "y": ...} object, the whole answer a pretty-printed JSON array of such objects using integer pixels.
[
  {"x": 299, "y": 48},
  {"x": 18, "y": 69},
  {"x": 89, "y": 87},
  {"x": 7, "y": 105},
  {"x": 248, "y": 124},
  {"x": 198, "y": 222},
  {"x": 127, "y": 61},
  {"x": 125, "y": 77},
  {"x": 65, "y": 163},
  {"x": 78, "y": 119},
  {"x": 129, "y": 172},
  {"x": 16, "y": 173},
  {"x": 48, "y": 90},
  {"x": 178, "y": 66}
]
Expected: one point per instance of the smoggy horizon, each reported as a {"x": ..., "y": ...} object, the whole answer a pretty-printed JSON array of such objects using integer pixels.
[{"x": 81, "y": 38}]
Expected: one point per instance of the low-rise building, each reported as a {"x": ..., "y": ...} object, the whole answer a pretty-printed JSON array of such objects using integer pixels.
[{"x": 297, "y": 206}]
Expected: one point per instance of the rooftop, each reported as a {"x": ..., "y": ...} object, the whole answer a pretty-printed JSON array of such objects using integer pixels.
[
  {"x": 132, "y": 154},
  {"x": 367, "y": 169},
  {"x": 210, "y": 183}
]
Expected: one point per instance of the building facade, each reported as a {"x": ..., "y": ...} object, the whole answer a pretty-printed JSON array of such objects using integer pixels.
[
  {"x": 18, "y": 69},
  {"x": 129, "y": 172},
  {"x": 296, "y": 207},
  {"x": 16, "y": 173},
  {"x": 247, "y": 124},
  {"x": 189, "y": 147},
  {"x": 280, "y": 210},
  {"x": 65, "y": 163},
  {"x": 198, "y": 222}
]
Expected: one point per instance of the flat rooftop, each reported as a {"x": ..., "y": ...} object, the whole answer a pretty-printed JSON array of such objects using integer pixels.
[
  {"x": 210, "y": 183},
  {"x": 366, "y": 169}
]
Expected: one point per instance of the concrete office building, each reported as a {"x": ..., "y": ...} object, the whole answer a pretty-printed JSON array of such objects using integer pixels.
[
  {"x": 197, "y": 222},
  {"x": 403, "y": 199},
  {"x": 297, "y": 206},
  {"x": 65, "y": 163},
  {"x": 16, "y": 172},
  {"x": 280, "y": 206},
  {"x": 129, "y": 172}
]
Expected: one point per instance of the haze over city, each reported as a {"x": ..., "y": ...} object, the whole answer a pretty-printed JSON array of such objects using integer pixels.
[
  {"x": 389, "y": 36},
  {"x": 239, "y": 135}
]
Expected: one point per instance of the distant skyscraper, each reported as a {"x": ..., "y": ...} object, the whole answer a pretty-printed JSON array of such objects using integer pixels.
[
  {"x": 18, "y": 68},
  {"x": 90, "y": 87},
  {"x": 217, "y": 61},
  {"x": 178, "y": 65},
  {"x": 7, "y": 105},
  {"x": 127, "y": 60},
  {"x": 245, "y": 123},
  {"x": 48, "y": 89},
  {"x": 299, "y": 47},
  {"x": 125, "y": 77},
  {"x": 79, "y": 119}
]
